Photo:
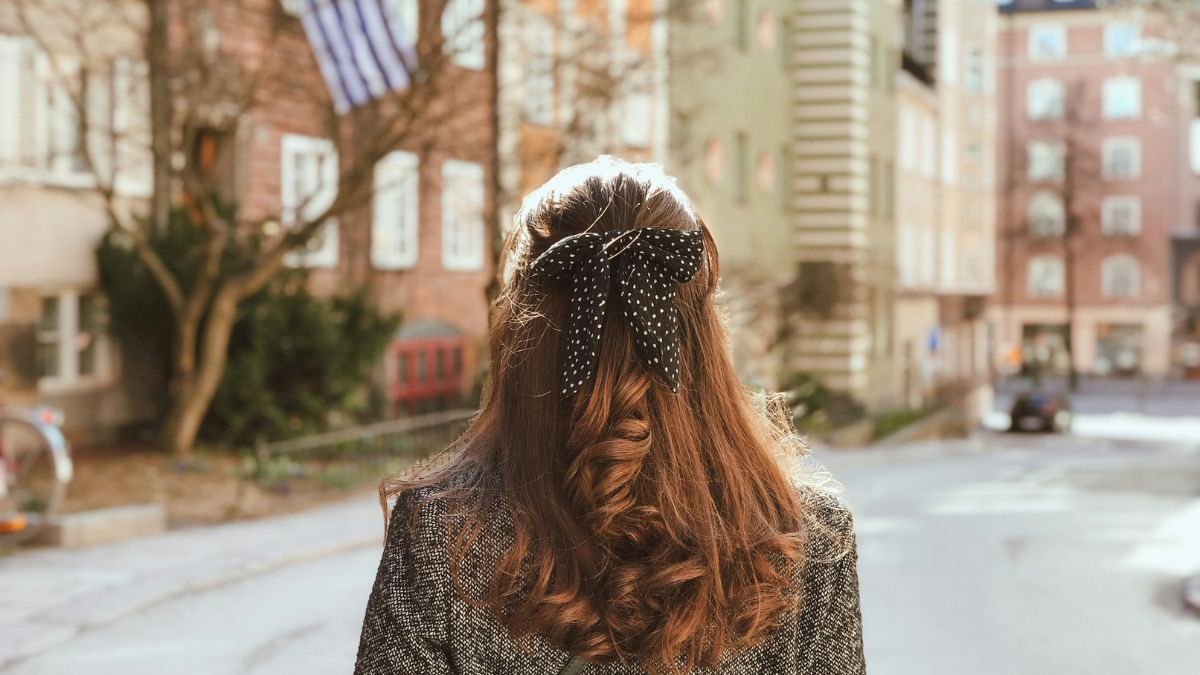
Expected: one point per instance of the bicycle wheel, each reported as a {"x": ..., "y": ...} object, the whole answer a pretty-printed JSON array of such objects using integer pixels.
[{"x": 34, "y": 477}]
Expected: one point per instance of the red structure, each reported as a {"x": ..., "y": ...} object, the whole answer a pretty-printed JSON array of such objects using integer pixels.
[{"x": 425, "y": 368}]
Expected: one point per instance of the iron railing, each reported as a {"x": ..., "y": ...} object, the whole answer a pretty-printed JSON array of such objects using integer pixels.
[{"x": 412, "y": 436}]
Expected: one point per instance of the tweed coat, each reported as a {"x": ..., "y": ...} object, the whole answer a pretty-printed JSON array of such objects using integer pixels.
[{"x": 416, "y": 623}]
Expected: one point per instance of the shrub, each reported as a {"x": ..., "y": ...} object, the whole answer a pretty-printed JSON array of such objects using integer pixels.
[{"x": 295, "y": 361}]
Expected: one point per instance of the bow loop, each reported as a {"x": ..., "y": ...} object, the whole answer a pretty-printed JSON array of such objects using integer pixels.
[{"x": 649, "y": 263}]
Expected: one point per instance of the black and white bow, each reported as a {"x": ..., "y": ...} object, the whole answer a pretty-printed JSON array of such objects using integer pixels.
[{"x": 649, "y": 263}]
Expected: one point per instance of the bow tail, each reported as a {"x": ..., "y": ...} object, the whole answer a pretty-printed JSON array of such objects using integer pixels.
[
  {"x": 653, "y": 318},
  {"x": 589, "y": 295}
]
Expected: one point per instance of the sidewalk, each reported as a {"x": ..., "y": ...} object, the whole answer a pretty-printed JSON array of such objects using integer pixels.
[{"x": 48, "y": 596}]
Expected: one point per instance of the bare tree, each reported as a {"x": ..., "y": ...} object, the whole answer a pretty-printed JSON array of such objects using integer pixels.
[
  {"x": 1070, "y": 170},
  {"x": 1179, "y": 20},
  {"x": 213, "y": 65}
]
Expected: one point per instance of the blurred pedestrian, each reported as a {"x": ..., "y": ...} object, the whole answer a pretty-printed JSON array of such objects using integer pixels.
[{"x": 620, "y": 504}]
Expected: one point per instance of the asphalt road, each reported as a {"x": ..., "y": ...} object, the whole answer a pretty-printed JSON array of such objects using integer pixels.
[{"x": 1002, "y": 555}]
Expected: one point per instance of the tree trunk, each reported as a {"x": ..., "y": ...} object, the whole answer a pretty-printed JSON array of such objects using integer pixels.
[
  {"x": 1069, "y": 293},
  {"x": 192, "y": 396},
  {"x": 160, "y": 113}
]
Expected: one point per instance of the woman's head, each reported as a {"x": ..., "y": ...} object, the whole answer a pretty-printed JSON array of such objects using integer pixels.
[{"x": 649, "y": 523}]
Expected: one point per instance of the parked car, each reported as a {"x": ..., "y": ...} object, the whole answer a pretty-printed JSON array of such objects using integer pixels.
[{"x": 1037, "y": 411}]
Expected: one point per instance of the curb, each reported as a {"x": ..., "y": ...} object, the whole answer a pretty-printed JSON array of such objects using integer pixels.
[
  {"x": 66, "y": 618},
  {"x": 55, "y": 626}
]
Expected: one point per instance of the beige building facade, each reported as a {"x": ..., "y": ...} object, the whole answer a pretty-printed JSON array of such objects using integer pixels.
[
  {"x": 844, "y": 59},
  {"x": 945, "y": 224}
]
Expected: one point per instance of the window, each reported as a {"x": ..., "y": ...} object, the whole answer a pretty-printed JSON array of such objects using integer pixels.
[
  {"x": 462, "y": 215},
  {"x": 1122, "y": 98},
  {"x": 618, "y": 22},
  {"x": 1122, "y": 157},
  {"x": 404, "y": 15},
  {"x": 394, "y": 212},
  {"x": 949, "y": 157},
  {"x": 785, "y": 179},
  {"x": 1120, "y": 40},
  {"x": 1121, "y": 215},
  {"x": 71, "y": 345},
  {"x": 949, "y": 258},
  {"x": 463, "y": 32},
  {"x": 974, "y": 71},
  {"x": 1047, "y": 43},
  {"x": 1047, "y": 217},
  {"x": 636, "y": 109},
  {"x": 742, "y": 24},
  {"x": 948, "y": 61},
  {"x": 1045, "y": 99},
  {"x": 308, "y": 185},
  {"x": 928, "y": 251},
  {"x": 765, "y": 30},
  {"x": 714, "y": 160},
  {"x": 1120, "y": 276},
  {"x": 764, "y": 171},
  {"x": 928, "y": 148},
  {"x": 889, "y": 190},
  {"x": 1045, "y": 277},
  {"x": 1046, "y": 160},
  {"x": 742, "y": 168},
  {"x": 714, "y": 10},
  {"x": 40, "y": 136},
  {"x": 538, "y": 101},
  {"x": 908, "y": 137},
  {"x": 1194, "y": 145},
  {"x": 906, "y": 251}
]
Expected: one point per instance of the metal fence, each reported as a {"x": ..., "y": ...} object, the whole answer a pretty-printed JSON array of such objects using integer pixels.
[{"x": 411, "y": 436}]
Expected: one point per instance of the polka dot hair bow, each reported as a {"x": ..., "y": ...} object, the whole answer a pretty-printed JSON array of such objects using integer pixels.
[{"x": 649, "y": 263}]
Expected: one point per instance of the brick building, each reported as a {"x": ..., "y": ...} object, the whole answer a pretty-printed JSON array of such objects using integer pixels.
[
  {"x": 1185, "y": 231},
  {"x": 420, "y": 242},
  {"x": 1086, "y": 172},
  {"x": 422, "y": 245}
]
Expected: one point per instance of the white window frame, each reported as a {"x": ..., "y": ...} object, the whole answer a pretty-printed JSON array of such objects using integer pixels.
[
  {"x": 1049, "y": 205},
  {"x": 463, "y": 33},
  {"x": 321, "y": 178},
  {"x": 1109, "y": 208},
  {"x": 36, "y": 130},
  {"x": 907, "y": 143},
  {"x": 1194, "y": 145},
  {"x": 1108, "y": 270},
  {"x": 637, "y": 109},
  {"x": 1118, "y": 91},
  {"x": 1051, "y": 151},
  {"x": 67, "y": 336},
  {"x": 1045, "y": 99},
  {"x": 462, "y": 215},
  {"x": 538, "y": 101},
  {"x": 1114, "y": 143},
  {"x": 1043, "y": 268},
  {"x": 1039, "y": 31},
  {"x": 405, "y": 16},
  {"x": 395, "y": 212},
  {"x": 948, "y": 61},
  {"x": 1112, "y": 47},
  {"x": 929, "y": 149},
  {"x": 975, "y": 76},
  {"x": 949, "y": 157}
]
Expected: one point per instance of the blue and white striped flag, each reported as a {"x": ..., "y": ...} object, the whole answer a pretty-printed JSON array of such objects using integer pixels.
[{"x": 365, "y": 48}]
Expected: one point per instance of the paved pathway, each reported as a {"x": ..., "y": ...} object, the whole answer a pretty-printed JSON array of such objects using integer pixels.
[{"x": 997, "y": 556}]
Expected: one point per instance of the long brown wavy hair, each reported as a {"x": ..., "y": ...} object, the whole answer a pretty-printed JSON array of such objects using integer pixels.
[{"x": 649, "y": 525}]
